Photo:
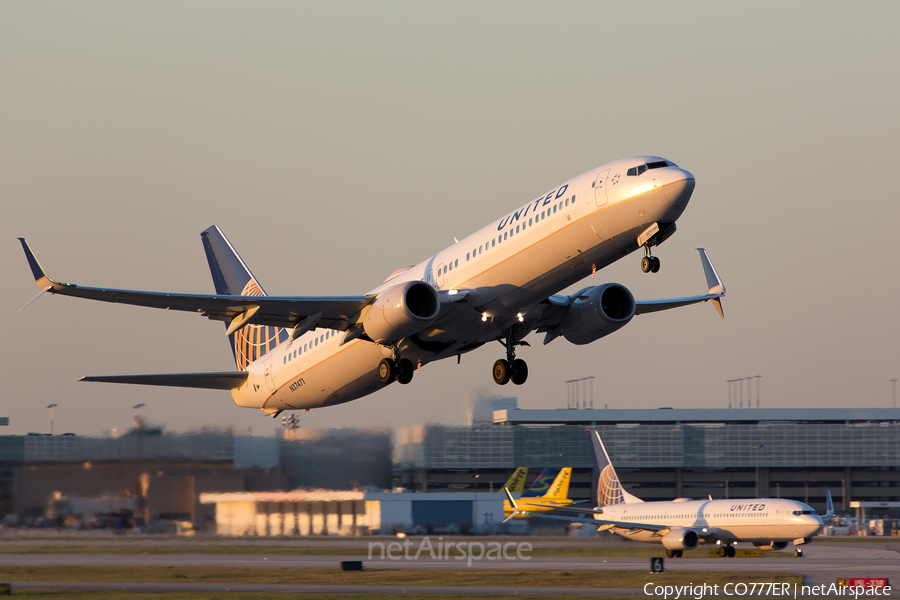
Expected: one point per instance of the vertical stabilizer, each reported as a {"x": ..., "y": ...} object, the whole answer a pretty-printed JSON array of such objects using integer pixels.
[
  {"x": 232, "y": 278},
  {"x": 542, "y": 484},
  {"x": 560, "y": 487},
  {"x": 516, "y": 482},
  {"x": 609, "y": 488}
]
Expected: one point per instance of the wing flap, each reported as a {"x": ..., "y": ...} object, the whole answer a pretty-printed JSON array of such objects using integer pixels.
[{"x": 207, "y": 381}]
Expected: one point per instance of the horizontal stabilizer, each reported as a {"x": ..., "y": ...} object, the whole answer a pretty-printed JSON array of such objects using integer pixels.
[{"x": 208, "y": 381}]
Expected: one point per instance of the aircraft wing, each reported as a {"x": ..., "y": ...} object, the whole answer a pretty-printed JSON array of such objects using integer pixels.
[
  {"x": 621, "y": 524},
  {"x": 716, "y": 292},
  {"x": 337, "y": 312},
  {"x": 553, "y": 308}
]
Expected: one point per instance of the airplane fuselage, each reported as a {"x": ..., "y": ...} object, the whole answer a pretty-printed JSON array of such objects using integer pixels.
[
  {"x": 507, "y": 268},
  {"x": 760, "y": 520}
]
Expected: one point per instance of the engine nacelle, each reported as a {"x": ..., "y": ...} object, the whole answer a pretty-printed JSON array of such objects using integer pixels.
[
  {"x": 681, "y": 538},
  {"x": 597, "y": 312},
  {"x": 771, "y": 545},
  {"x": 401, "y": 311}
]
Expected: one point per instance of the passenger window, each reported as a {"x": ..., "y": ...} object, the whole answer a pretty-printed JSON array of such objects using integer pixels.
[
  {"x": 467, "y": 256},
  {"x": 451, "y": 266},
  {"x": 529, "y": 221},
  {"x": 317, "y": 341},
  {"x": 456, "y": 263},
  {"x": 554, "y": 209},
  {"x": 567, "y": 201},
  {"x": 493, "y": 243},
  {"x": 517, "y": 228},
  {"x": 505, "y": 234}
]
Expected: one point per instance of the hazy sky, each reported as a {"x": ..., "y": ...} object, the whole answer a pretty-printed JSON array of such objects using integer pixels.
[{"x": 335, "y": 142}]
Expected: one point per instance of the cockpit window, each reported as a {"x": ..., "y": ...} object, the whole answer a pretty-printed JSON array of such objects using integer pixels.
[{"x": 657, "y": 164}]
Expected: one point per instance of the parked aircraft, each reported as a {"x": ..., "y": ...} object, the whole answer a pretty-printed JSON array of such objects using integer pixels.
[
  {"x": 684, "y": 524},
  {"x": 556, "y": 496},
  {"x": 516, "y": 481},
  {"x": 542, "y": 484},
  {"x": 499, "y": 284}
]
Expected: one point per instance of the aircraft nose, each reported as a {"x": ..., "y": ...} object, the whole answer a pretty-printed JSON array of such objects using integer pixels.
[{"x": 678, "y": 185}]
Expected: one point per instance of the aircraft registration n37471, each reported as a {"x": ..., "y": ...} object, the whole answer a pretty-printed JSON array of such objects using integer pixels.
[{"x": 499, "y": 284}]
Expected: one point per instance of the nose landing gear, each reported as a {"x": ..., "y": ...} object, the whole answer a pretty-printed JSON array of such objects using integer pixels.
[{"x": 650, "y": 263}]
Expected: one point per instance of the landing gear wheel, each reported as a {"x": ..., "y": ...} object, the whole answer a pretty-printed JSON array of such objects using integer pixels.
[
  {"x": 519, "y": 371},
  {"x": 723, "y": 551},
  {"x": 654, "y": 264},
  {"x": 405, "y": 371},
  {"x": 798, "y": 552},
  {"x": 386, "y": 371},
  {"x": 501, "y": 372},
  {"x": 646, "y": 264},
  {"x": 731, "y": 551},
  {"x": 670, "y": 554},
  {"x": 679, "y": 553}
]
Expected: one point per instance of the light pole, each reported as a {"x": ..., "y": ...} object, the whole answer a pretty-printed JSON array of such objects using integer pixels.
[
  {"x": 757, "y": 377},
  {"x": 51, "y": 409},
  {"x": 894, "y": 383}
]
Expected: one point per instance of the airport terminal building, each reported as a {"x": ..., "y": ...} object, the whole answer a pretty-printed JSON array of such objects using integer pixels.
[{"x": 662, "y": 454}]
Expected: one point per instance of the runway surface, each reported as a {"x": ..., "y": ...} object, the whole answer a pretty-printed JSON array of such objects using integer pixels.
[{"x": 822, "y": 564}]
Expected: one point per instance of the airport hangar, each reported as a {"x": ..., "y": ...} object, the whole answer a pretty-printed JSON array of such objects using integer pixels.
[{"x": 662, "y": 454}]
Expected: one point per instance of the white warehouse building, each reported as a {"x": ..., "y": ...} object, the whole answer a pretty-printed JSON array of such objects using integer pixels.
[{"x": 331, "y": 512}]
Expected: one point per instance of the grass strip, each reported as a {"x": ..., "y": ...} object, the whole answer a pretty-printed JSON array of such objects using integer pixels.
[{"x": 429, "y": 577}]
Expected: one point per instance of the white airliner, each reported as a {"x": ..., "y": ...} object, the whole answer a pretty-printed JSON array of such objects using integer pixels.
[
  {"x": 498, "y": 284},
  {"x": 684, "y": 524}
]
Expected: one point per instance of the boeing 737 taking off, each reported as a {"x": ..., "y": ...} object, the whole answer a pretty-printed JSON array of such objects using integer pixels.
[{"x": 499, "y": 284}]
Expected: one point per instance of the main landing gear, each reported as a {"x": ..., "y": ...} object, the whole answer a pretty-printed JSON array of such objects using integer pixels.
[
  {"x": 674, "y": 553},
  {"x": 510, "y": 368},
  {"x": 728, "y": 551},
  {"x": 397, "y": 368}
]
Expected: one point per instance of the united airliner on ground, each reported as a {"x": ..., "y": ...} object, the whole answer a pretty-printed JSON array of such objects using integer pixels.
[
  {"x": 684, "y": 524},
  {"x": 499, "y": 284}
]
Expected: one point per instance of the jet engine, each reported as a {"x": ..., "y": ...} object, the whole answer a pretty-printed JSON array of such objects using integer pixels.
[
  {"x": 771, "y": 545},
  {"x": 681, "y": 538},
  {"x": 597, "y": 312},
  {"x": 400, "y": 311}
]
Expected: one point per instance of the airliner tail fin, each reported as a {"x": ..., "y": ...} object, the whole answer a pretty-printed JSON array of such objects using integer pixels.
[{"x": 232, "y": 277}]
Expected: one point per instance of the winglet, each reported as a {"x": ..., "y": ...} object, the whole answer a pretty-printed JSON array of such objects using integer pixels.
[
  {"x": 713, "y": 281},
  {"x": 40, "y": 276},
  {"x": 512, "y": 502},
  {"x": 829, "y": 506}
]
